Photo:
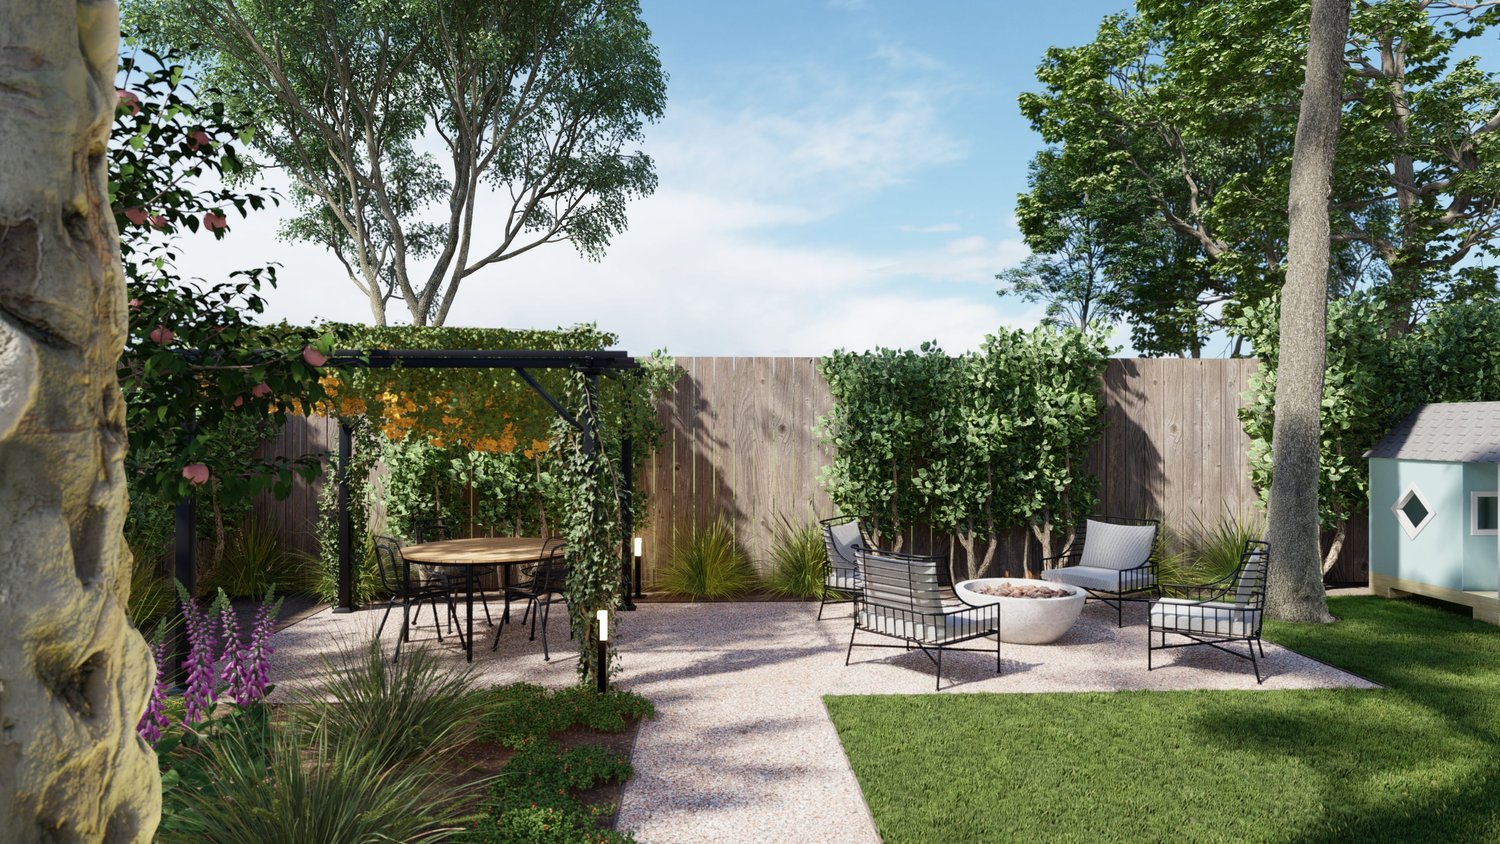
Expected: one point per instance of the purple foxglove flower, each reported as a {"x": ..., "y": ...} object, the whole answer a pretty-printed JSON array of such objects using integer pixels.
[
  {"x": 199, "y": 696},
  {"x": 154, "y": 719}
]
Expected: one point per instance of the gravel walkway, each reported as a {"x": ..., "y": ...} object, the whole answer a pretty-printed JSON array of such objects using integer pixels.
[{"x": 742, "y": 748}]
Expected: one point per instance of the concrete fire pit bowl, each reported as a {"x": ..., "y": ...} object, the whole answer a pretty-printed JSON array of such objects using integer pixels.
[{"x": 1026, "y": 621}]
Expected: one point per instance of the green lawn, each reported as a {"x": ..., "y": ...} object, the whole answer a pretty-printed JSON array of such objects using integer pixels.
[{"x": 1417, "y": 761}]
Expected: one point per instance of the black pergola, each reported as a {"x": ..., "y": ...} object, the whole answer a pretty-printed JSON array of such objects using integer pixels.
[{"x": 591, "y": 364}]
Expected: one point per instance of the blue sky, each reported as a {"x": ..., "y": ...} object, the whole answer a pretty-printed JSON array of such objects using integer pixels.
[{"x": 832, "y": 175}]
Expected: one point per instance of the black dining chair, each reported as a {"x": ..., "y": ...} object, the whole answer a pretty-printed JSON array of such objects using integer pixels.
[
  {"x": 433, "y": 530},
  {"x": 543, "y": 583},
  {"x": 396, "y": 579}
]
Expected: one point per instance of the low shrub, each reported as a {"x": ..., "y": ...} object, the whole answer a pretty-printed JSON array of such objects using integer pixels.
[
  {"x": 517, "y": 713},
  {"x": 367, "y": 586},
  {"x": 1203, "y": 553},
  {"x": 395, "y": 710},
  {"x": 151, "y": 593},
  {"x": 288, "y": 787},
  {"x": 709, "y": 563},
  {"x": 255, "y": 561},
  {"x": 798, "y": 559}
]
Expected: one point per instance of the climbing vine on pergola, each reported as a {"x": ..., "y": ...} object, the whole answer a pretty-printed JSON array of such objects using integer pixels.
[{"x": 531, "y": 400}]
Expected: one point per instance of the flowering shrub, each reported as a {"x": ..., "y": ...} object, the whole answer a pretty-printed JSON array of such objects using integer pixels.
[{"x": 221, "y": 664}]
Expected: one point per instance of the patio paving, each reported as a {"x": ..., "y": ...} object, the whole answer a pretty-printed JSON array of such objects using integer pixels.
[{"x": 742, "y": 748}]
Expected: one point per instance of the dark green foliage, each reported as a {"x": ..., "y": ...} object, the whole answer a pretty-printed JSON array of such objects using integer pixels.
[
  {"x": 513, "y": 714},
  {"x": 1411, "y": 762},
  {"x": 395, "y": 710},
  {"x": 709, "y": 563},
  {"x": 534, "y": 799},
  {"x": 255, "y": 562},
  {"x": 798, "y": 561},
  {"x": 1372, "y": 382}
]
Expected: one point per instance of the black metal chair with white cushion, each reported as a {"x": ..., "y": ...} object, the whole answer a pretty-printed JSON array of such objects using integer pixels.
[
  {"x": 842, "y": 537},
  {"x": 901, "y": 599},
  {"x": 1229, "y": 609},
  {"x": 1113, "y": 559}
]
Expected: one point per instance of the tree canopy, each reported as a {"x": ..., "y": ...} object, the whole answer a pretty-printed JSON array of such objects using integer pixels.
[
  {"x": 400, "y": 123},
  {"x": 1194, "y": 106}
]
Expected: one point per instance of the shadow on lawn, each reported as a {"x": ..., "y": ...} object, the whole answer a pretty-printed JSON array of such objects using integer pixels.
[{"x": 1416, "y": 761}]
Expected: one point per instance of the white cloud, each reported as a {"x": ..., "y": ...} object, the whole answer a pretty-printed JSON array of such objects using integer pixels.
[{"x": 733, "y": 254}]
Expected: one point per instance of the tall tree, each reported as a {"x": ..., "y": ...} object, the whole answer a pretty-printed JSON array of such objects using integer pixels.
[
  {"x": 536, "y": 101},
  {"x": 1295, "y": 585},
  {"x": 1193, "y": 105},
  {"x": 75, "y": 675}
]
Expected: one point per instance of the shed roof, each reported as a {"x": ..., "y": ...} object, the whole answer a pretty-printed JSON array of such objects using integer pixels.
[{"x": 1458, "y": 432}]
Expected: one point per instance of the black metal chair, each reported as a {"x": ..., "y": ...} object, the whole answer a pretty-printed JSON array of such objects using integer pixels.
[
  {"x": 543, "y": 584},
  {"x": 900, "y": 599},
  {"x": 395, "y": 577},
  {"x": 433, "y": 530},
  {"x": 842, "y": 537},
  {"x": 1113, "y": 558},
  {"x": 1229, "y": 609}
]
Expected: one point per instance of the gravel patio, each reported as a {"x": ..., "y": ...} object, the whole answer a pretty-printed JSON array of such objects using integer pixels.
[{"x": 742, "y": 748}]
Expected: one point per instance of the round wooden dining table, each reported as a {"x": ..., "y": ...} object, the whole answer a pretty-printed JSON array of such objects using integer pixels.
[{"x": 475, "y": 554}]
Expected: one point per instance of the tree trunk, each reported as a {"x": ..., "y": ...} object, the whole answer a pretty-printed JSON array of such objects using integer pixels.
[
  {"x": 1294, "y": 591},
  {"x": 74, "y": 676},
  {"x": 1335, "y": 547}
]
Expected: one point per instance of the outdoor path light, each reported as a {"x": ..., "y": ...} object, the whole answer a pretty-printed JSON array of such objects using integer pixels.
[{"x": 601, "y": 673}]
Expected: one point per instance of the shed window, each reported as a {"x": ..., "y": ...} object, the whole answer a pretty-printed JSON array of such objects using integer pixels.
[
  {"x": 1484, "y": 514},
  {"x": 1412, "y": 511}
]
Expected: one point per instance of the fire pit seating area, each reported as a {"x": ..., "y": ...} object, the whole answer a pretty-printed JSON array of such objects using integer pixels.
[
  {"x": 901, "y": 599},
  {"x": 1113, "y": 559},
  {"x": 1031, "y": 613}
]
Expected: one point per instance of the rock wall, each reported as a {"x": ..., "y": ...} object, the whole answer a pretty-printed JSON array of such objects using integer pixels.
[{"x": 74, "y": 676}]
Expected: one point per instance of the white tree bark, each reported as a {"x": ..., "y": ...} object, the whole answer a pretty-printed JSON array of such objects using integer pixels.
[
  {"x": 74, "y": 676},
  {"x": 1294, "y": 589}
]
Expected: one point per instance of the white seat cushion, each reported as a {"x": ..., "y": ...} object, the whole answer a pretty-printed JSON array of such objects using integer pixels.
[
  {"x": 1096, "y": 579},
  {"x": 1214, "y": 617},
  {"x": 843, "y": 579},
  {"x": 965, "y": 623},
  {"x": 1111, "y": 546}
]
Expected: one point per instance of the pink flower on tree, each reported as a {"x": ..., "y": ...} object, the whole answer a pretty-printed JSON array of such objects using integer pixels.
[
  {"x": 162, "y": 335},
  {"x": 215, "y": 222},
  {"x": 197, "y": 474},
  {"x": 137, "y": 215},
  {"x": 261, "y": 390},
  {"x": 135, "y": 304},
  {"x": 199, "y": 139},
  {"x": 129, "y": 100},
  {"x": 157, "y": 221},
  {"x": 314, "y": 357}
]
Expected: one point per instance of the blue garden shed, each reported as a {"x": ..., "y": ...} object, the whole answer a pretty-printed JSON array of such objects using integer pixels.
[{"x": 1434, "y": 520}]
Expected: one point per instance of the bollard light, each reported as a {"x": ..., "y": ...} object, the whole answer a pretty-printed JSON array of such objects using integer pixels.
[
  {"x": 637, "y": 547},
  {"x": 601, "y": 673}
]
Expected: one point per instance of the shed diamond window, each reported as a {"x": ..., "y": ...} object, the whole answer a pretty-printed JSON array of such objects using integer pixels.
[{"x": 1412, "y": 511}]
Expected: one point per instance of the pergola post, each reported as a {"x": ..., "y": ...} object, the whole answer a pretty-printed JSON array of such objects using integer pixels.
[
  {"x": 627, "y": 520},
  {"x": 346, "y": 552}
]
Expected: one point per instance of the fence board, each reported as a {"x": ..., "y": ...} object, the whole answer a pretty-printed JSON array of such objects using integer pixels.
[{"x": 740, "y": 443}]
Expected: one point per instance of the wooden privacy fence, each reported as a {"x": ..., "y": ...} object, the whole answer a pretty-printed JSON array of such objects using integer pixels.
[{"x": 739, "y": 445}]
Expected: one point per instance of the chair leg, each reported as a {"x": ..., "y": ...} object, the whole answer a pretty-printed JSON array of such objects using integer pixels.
[
  {"x": 937, "y": 680},
  {"x": 381, "y": 628},
  {"x": 437, "y": 622},
  {"x": 529, "y": 606},
  {"x": 1261, "y": 646},
  {"x": 1150, "y": 649},
  {"x": 850, "y": 652},
  {"x": 544, "y": 612},
  {"x": 1256, "y": 665},
  {"x": 821, "y": 604},
  {"x": 997, "y": 651},
  {"x": 1119, "y": 612}
]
